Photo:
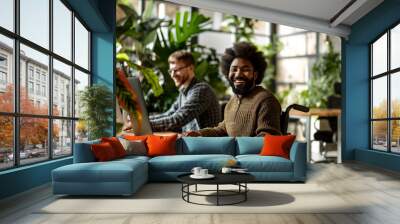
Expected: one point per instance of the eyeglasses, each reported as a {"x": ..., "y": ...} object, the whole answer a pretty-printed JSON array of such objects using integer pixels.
[{"x": 170, "y": 71}]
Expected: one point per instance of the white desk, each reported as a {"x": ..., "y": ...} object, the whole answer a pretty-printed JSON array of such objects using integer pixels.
[{"x": 324, "y": 113}]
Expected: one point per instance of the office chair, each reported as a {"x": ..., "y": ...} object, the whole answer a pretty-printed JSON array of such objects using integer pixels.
[{"x": 327, "y": 136}]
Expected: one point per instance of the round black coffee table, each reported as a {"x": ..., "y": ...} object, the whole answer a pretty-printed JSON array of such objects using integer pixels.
[{"x": 238, "y": 179}]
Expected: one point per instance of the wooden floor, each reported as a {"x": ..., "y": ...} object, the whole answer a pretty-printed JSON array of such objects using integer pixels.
[{"x": 378, "y": 189}]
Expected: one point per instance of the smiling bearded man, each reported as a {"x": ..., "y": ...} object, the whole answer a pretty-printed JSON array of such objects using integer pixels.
[{"x": 253, "y": 110}]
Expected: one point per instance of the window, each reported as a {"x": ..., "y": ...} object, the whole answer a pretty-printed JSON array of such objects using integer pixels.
[
  {"x": 81, "y": 81},
  {"x": 62, "y": 129},
  {"x": 3, "y": 78},
  {"x": 62, "y": 29},
  {"x": 30, "y": 72},
  {"x": 41, "y": 84},
  {"x": 43, "y": 90},
  {"x": 3, "y": 72},
  {"x": 38, "y": 89},
  {"x": 34, "y": 21},
  {"x": 3, "y": 61},
  {"x": 6, "y": 73},
  {"x": 7, "y": 141},
  {"x": 301, "y": 49},
  {"x": 385, "y": 97},
  {"x": 30, "y": 87},
  {"x": 37, "y": 74},
  {"x": 81, "y": 45},
  {"x": 7, "y": 14},
  {"x": 62, "y": 74}
]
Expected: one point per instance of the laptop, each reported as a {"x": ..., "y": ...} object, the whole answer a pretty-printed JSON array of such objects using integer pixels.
[{"x": 146, "y": 127}]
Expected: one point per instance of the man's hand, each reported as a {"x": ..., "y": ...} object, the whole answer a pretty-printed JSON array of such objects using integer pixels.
[
  {"x": 191, "y": 134},
  {"x": 127, "y": 127}
]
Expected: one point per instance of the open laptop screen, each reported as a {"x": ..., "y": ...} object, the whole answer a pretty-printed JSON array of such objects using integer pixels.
[{"x": 145, "y": 127}]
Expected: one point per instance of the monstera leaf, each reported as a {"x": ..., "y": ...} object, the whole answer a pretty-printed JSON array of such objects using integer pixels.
[{"x": 186, "y": 28}]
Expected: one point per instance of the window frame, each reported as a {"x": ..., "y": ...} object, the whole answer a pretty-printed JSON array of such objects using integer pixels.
[
  {"x": 16, "y": 114},
  {"x": 388, "y": 74}
]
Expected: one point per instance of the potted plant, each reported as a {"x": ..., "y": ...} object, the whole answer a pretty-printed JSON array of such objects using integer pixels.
[{"x": 96, "y": 104}]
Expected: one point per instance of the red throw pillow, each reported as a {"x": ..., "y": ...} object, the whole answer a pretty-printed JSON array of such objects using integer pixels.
[
  {"x": 116, "y": 145},
  {"x": 277, "y": 145},
  {"x": 103, "y": 151},
  {"x": 161, "y": 145},
  {"x": 135, "y": 137}
]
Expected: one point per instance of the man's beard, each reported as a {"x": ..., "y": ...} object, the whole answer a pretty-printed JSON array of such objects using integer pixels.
[{"x": 242, "y": 89}]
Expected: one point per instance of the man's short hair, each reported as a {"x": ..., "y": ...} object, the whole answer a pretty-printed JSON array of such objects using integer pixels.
[
  {"x": 182, "y": 55},
  {"x": 246, "y": 51}
]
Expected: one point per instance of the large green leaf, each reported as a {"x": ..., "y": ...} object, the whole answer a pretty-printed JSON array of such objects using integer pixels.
[
  {"x": 148, "y": 10},
  {"x": 122, "y": 56},
  {"x": 128, "y": 10},
  {"x": 191, "y": 26},
  {"x": 201, "y": 69}
]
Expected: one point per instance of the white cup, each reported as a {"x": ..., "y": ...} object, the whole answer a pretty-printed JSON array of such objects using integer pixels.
[
  {"x": 196, "y": 171},
  {"x": 226, "y": 170},
  {"x": 203, "y": 172}
]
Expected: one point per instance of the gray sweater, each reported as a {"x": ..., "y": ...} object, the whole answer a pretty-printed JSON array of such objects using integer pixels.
[{"x": 196, "y": 107}]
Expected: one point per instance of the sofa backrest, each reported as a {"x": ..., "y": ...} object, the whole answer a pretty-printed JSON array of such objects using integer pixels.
[
  {"x": 83, "y": 152},
  {"x": 206, "y": 145},
  {"x": 249, "y": 145},
  {"x": 191, "y": 146}
]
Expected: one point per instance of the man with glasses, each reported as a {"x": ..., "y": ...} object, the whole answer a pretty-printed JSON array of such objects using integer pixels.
[
  {"x": 196, "y": 106},
  {"x": 253, "y": 110}
]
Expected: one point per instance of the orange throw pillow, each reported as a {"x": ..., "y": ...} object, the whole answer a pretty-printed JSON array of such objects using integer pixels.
[
  {"x": 103, "y": 151},
  {"x": 116, "y": 145},
  {"x": 277, "y": 145},
  {"x": 161, "y": 145},
  {"x": 135, "y": 137}
]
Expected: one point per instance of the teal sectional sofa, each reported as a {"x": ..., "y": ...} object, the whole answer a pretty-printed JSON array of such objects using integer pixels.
[{"x": 125, "y": 176}]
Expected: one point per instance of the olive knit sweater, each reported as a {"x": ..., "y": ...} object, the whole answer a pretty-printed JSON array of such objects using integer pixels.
[{"x": 254, "y": 114}]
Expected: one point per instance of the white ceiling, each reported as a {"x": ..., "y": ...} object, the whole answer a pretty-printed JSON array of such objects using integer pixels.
[
  {"x": 315, "y": 15},
  {"x": 321, "y": 9}
]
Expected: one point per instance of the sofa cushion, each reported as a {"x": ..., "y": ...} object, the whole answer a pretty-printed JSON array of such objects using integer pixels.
[
  {"x": 135, "y": 137},
  {"x": 116, "y": 145},
  {"x": 134, "y": 147},
  {"x": 257, "y": 163},
  {"x": 111, "y": 171},
  {"x": 185, "y": 163},
  {"x": 249, "y": 145},
  {"x": 208, "y": 145},
  {"x": 277, "y": 145},
  {"x": 161, "y": 145},
  {"x": 103, "y": 152}
]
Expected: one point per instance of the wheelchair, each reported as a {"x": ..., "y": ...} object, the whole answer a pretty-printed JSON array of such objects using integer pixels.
[{"x": 285, "y": 116}]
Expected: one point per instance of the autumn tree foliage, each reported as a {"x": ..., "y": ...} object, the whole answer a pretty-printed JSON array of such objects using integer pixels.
[{"x": 33, "y": 131}]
